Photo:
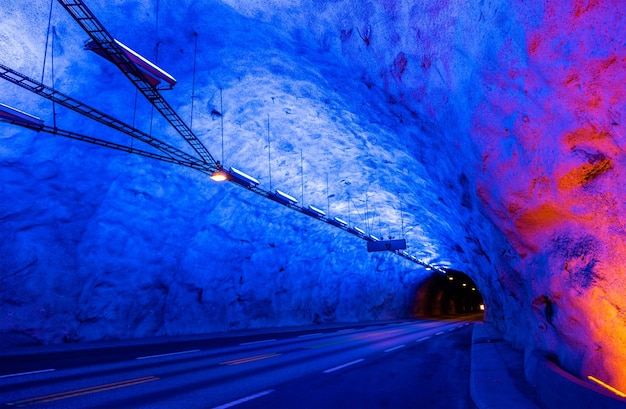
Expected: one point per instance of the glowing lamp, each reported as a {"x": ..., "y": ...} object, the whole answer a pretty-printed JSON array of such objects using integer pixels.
[
  {"x": 219, "y": 176},
  {"x": 428, "y": 268},
  {"x": 464, "y": 285},
  {"x": 450, "y": 278},
  {"x": 482, "y": 307}
]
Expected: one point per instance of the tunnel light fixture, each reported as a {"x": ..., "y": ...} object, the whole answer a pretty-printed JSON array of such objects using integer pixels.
[
  {"x": 473, "y": 288},
  {"x": 317, "y": 211},
  {"x": 341, "y": 221},
  {"x": 243, "y": 178},
  {"x": 154, "y": 74},
  {"x": 19, "y": 117},
  {"x": 464, "y": 285},
  {"x": 428, "y": 268},
  {"x": 450, "y": 278},
  {"x": 219, "y": 175},
  {"x": 482, "y": 307},
  {"x": 359, "y": 230},
  {"x": 374, "y": 237},
  {"x": 285, "y": 198}
]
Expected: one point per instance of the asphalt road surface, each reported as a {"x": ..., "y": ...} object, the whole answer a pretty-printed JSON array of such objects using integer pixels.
[{"x": 411, "y": 364}]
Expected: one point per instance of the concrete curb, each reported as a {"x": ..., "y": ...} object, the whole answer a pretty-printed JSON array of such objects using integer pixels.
[
  {"x": 491, "y": 384},
  {"x": 496, "y": 381}
]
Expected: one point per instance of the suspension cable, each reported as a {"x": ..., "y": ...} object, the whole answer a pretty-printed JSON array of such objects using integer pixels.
[
  {"x": 193, "y": 80},
  {"x": 54, "y": 109},
  {"x": 134, "y": 117},
  {"x": 45, "y": 52}
]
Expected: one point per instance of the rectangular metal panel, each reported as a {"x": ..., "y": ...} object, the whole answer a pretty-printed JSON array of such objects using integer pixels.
[{"x": 386, "y": 245}]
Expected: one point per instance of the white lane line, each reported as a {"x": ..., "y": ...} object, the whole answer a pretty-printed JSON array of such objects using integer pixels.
[
  {"x": 451, "y": 329},
  {"x": 422, "y": 339},
  {"x": 27, "y": 373},
  {"x": 168, "y": 354},
  {"x": 242, "y": 400},
  {"x": 343, "y": 366},
  {"x": 347, "y": 329},
  {"x": 394, "y": 348},
  {"x": 257, "y": 342},
  {"x": 309, "y": 335},
  {"x": 439, "y": 333}
]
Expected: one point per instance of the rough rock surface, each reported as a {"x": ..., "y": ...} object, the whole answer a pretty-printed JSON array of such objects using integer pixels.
[{"x": 491, "y": 132}]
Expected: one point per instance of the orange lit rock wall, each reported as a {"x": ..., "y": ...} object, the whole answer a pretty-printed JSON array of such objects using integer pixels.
[{"x": 551, "y": 134}]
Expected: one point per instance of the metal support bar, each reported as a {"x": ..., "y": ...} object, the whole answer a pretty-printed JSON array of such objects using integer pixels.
[
  {"x": 108, "y": 144},
  {"x": 87, "y": 20},
  {"x": 99, "y": 116}
]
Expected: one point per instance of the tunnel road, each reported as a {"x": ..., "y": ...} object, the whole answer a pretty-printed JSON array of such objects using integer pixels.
[{"x": 403, "y": 364}]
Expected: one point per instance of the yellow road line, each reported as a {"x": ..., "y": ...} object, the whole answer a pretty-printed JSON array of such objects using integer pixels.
[
  {"x": 83, "y": 391},
  {"x": 248, "y": 359}
]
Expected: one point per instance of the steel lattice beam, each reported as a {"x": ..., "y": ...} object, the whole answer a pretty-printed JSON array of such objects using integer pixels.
[
  {"x": 40, "y": 89},
  {"x": 88, "y": 21}
]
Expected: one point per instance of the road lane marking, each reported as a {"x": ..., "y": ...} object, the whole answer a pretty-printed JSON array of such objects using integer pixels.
[
  {"x": 242, "y": 400},
  {"x": 83, "y": 391},
  {"x": 439, "y": 333},
  {"x": 394, "y": 348},
  {"x": 327, "y": 344},
  {"x": 422, "y": 339},
  {"x": 257, "y": 342},
  {"x": 26, "y": 373},
  {"x": 354, "y": 338},
  {"x": 374, "y": 334},
  {"x": 343, "y": 366},
  {"x": 346, "y": 330},
  {"x": 309, "y": 335},
  {"x": 169, "y": 354},
  {"x": 249, "y": 359},
  {"x": 451, "y": 329}
]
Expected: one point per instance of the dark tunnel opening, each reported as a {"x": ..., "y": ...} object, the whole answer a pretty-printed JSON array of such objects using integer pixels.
[{"x": 451, "y": 294}]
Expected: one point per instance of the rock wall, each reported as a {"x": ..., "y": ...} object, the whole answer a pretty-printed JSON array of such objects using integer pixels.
[
  {"x": 98, "y": 244},
  {"x": 534, "y": 91},
  {"x": 445, "y": 118}
]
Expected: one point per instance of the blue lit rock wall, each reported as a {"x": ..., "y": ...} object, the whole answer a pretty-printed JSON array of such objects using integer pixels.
[{"x": 98, "y": 244}]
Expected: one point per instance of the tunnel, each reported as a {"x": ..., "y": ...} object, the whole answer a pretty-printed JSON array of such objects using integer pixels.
[
  {"x": 488, "y": 136},
  {"x": 451, "y": 294}
]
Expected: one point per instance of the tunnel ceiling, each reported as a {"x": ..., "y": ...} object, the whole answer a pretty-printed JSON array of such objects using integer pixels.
[{"x": 490, "y": 135}]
